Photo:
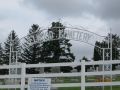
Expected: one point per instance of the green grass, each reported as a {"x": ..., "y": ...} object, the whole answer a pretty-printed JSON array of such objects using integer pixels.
[
  {"x": 87, "y": 88},
  {"x": 68, "y": 80},
  {"x": 69, "y": 88},
  {"x": 90, "y": 88},
  {"x": 88, "y": 79},
  {"x": 116, "y": 87},
  {"x": 10, "y": 89}
]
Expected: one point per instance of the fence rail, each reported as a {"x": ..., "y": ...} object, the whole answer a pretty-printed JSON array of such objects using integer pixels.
[{"x": 81, "y": 74}]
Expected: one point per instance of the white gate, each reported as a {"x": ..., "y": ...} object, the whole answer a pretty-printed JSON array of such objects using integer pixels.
[{"x": 23, "y": 76}]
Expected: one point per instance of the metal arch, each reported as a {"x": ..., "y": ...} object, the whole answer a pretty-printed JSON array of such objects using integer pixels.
[
  {"x": 85, "y": 30},
  {"x": 44, "y": 29},
  {"x": 32, "y": 34},
  {"x": 75, "y": 28}
]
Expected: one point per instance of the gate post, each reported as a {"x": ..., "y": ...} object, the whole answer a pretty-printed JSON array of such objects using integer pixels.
[
  {"x": 82, "y": 74},
  {"x": 23, "y": 72}
]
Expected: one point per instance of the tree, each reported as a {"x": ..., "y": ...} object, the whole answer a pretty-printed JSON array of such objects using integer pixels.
[
  {"x": 15, "y": 47},
  {"x": 2, "y": 71},
  {"x": 31, "y": 51},
  {"x": 57, "y": 49},
  {"x": 98, "y": 53},
  {"x": 1, "y": 55},
  {"x": 86, "y": 68}
]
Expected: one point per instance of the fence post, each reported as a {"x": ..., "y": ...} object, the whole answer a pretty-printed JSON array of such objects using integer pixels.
[
  {"x": 82, "y": 74},
  {"x": 23, "y": 72}
]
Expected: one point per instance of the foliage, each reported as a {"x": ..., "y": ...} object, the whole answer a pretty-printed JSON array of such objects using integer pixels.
[
  {"x": 98, "y": 52},
  {"x": 31, "y": 52},
  {"x": 1, "y": 55},
  {"x": 2, "y": 71},
  {"x": 86, "y": 68},
  {"x": 57, "y": 49},
  {"x": 15, "y": 42}
]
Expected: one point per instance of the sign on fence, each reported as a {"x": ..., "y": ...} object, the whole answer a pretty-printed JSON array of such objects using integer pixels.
[{"x": 39, "y": 84}]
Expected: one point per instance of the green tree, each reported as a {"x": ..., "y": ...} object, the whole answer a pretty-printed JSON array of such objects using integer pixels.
[
  {"x": 1, "y": 55},
  {"x": 98, "y": 53},
  {"x": 15, "y": 49},
  {"x": 15, "y": 43},
  {"x": 2, "y": 71},
  {"x": 57, "y": 49},
  {"x": 31, "y": 51},
  {"x": 86, "y": 68}
]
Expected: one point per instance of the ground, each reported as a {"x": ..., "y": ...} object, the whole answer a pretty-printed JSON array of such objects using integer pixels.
[
  {"x": 91, "y": 88},
  {"x": 77, "y": 80}
]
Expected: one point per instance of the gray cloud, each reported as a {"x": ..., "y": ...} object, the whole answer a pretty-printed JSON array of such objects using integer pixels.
[
  {"x": 106, "y": 9},
  {"x": 6, "y": 14},
  {"x": 109, "y": 11},
  {"x": 20, "y": 18},
  {"x": 2, "y": 17},
  {"x": 61, "y": 7},
  {"x": 115, "y": 26}
]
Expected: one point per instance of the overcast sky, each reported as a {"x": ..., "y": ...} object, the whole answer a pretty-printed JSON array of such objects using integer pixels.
[{"x": 95, "y": 15}]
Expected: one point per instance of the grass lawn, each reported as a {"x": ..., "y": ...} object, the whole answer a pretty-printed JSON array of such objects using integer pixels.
[
  {"x": 10, "y": 89},
  {"x": 88, "y": 79},
  {"x": 90, "y": 88},
  {"x": 87, "y": 88},
  {"x": 69, "y": 88}
]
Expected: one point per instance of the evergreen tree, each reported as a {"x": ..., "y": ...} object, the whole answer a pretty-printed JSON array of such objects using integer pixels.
[
  {"x": 98, "y": 53},
  {"x": 2, "y": 71},
  {"x": 86, "y": 68},
  {"x": 15, "y": 43},
  {"x": 57, "y": 49},
  {"x": 1, "y": 55},
  {"x": 31, "y": 51}
]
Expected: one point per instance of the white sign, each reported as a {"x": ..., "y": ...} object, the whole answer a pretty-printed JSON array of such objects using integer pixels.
[{"x": 39, "y": 84}]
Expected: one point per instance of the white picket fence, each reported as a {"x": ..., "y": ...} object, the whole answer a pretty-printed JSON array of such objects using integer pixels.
[{"x": 81, "y": 74}]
